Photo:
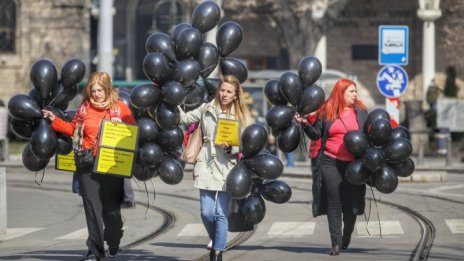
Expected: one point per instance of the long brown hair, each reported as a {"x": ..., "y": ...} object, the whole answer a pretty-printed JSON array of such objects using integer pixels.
[
  {"x": 335, "y": 104},
  {"x": 241, "y": 110},
  {"x": 104, "y": 80}
]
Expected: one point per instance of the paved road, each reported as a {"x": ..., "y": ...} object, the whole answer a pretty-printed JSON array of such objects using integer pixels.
[{"x": 47, "y": 223}]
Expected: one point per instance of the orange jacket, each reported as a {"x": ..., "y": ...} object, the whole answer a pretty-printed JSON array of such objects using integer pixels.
[{"x": 92, "y": 123}]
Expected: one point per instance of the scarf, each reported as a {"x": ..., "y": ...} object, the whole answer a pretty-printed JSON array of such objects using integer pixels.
[{"x": 115, "y": 116}]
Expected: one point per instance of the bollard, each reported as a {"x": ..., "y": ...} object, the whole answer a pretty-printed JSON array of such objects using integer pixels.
[
  {"x": 449, "y": 153},
  {"x": 420, "y": 151},
  {"x": 2, "y": 201}
]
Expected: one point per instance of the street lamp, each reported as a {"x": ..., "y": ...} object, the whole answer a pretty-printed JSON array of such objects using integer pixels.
[{"x": 429, "y": 11}]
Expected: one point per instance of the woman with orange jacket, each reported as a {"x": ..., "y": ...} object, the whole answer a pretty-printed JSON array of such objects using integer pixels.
[{"x": 101, "y": 194}]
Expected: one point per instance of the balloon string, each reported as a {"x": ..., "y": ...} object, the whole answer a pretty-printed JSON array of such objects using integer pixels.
[
  {"x": 154, "y": 190},
  {"x": 377, "y": 211},
  {"x": 148, "y": 199},
  {"x": 369, "y": 215},
  {"x": 41, "y": 179}
]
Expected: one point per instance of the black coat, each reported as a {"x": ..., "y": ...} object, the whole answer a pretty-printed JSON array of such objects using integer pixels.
[{"x": 320, "y": 130}]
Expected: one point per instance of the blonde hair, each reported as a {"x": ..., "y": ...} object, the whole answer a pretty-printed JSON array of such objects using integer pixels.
[
  {"x": 241, "y": 110},
  {"x": 104, "y": 80}
]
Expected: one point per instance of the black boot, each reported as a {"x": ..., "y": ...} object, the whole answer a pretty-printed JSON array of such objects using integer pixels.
[
  {"x": 346, "y": 239},
  {"x": 211, "y": 254},
  {"x": 335, "y": 250}
]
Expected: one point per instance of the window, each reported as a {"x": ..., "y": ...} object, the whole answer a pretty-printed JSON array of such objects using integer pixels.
[{"x": 7, "y": 26}]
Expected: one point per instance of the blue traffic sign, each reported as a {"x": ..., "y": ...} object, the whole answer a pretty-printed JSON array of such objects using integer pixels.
[
  {"x": 392, "y": 81},
  {"x": 393, "y": 45}
]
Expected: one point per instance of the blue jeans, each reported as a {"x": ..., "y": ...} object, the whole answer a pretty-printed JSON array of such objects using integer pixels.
[
  {"x": 290, "y": 159},
  {"x": 214, "y": 210}
]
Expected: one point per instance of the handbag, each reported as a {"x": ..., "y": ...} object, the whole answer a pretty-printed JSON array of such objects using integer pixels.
[
  {"x": 84, "y": 158},
  {"x": 194, "y": 144}
]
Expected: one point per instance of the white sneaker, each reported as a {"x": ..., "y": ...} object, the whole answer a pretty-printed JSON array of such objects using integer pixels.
[{"x": 210, "y": 245}]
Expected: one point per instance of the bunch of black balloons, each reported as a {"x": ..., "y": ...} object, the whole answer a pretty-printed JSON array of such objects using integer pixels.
[
  {"x": 255, "y": 178},
  {"x": 382, "y": 153},
  {"x": 175, "y": 64},
  {"x": 50, "y": 91},
  {"x": 293, "y": 93}
]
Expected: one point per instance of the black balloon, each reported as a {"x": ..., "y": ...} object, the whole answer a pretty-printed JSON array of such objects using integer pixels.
[
  {"x": 170, "y": 171},
  {"x": 356, "y": 174},
  {"x": 311, "y": 100},
  {"x": 212, "y": 85},
  {"x": 238, "y": 182},
  {"x": 166, "y": 116},
  {"x": 233, "y": 66},
  {"x": 178, "y": 29},
  {"x": 265, "y": 166},
  {"x": 31, "y": 162},
  {"x": 228, "y": 37},
  {"x": 43, "y": 141},
  {"x": 290, "y": 87},
  {"x": 404, "y": 168},
  {"x": 206, "y": 16},
  {"x": 195, "y": 96},
  {"x": 23, "y": 129},
  {"x": 64, "y": 144},
  {"x": 72, "y": 73},
  {"x": 150, "y": 155},
  {"x": 254, "y": 138},
  {"x": 254, "y": 208},
  {"x": 373, "y": 159},
  {"x": 397, "y": 150},
  {"x": 289, "y": 138},
  {"x": 356, "y": 142},
  {"x": 44, "y": 77},
  {"x": 58, "y": 113},
  {"x": 374, "y": 115},
  {"x": 148, "y": 130},
  {"x": 309, "y": 70},
  {"x": 140, "y": 113},
  {"x": 379, "y": 132},
  {"x": 276, "y": 191},
  {"x": 162, "y": 43},
  {"x": 143, "y": 173},
  {"x": 156, "y": 68},
  {"x": 69, "y": 115},
  {"x": 145, "y": 95},
  {"x": 188, "y": 43},
  {"x": 400, "y": 132},
  {"x": 272, "y": 92},
  {"x": 64, "y": 95},
  {"x": 22, "y": 107},
  {"x": 280, "y": 117},
  {"x": 236, "y": 219},
  {"x": 208, "y": 59},
  {"x": 187, "y": 72},
  {"x": 385, "y": 180},
  {"x": 170, "y": 139},
  {"x": 173, "y": 93},
  {"x": 124, "y": 97}
]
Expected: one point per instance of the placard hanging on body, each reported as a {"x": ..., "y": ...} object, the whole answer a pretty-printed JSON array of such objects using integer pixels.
[
  {"x": 227, "y": 131},
  {"x": 65, "y": 162},
  {"x": 116, "y": 150}
]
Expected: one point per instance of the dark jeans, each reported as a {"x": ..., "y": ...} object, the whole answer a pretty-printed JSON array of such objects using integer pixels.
[
  {"x": 339, "y": 198},
  {"x": 101, "y": 195}
]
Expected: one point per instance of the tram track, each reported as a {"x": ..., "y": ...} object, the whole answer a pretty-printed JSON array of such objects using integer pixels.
[{"x": 168, "y": 217}]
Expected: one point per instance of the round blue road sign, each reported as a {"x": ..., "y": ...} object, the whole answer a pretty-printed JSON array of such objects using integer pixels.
[{"x": 392, "y": 81}]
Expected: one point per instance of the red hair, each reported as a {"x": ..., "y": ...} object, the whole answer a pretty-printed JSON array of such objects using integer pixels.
[{"x": 335, "y": 104}]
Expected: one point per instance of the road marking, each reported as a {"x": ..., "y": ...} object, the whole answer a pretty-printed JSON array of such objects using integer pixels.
[
  {"x": 291, "y": 229},
  {"x": 80, "y": 234},
  {"x": 373, "y": 229},
  {"x": 456, "y": 226},
  {"x": 12, "y": 233},
  {"x": 193, "y": 230}
]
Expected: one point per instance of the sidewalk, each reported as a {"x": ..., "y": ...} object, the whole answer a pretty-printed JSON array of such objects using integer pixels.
[{"x": 432, "y": 169}]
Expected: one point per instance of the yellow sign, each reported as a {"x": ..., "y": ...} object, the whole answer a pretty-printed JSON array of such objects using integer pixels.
[
  {"x": 227, "y": 131},
  {"x": 119, "y": 135},
  {"x": 65, "y": 162},
  {"x": 114, "y": 162}
]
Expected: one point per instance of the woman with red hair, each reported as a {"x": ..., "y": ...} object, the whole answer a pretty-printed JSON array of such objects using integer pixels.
[{"x": 332, "y": 193}]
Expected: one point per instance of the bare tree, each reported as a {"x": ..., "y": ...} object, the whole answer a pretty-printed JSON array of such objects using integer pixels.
[{"x": 299, "y": 23}]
